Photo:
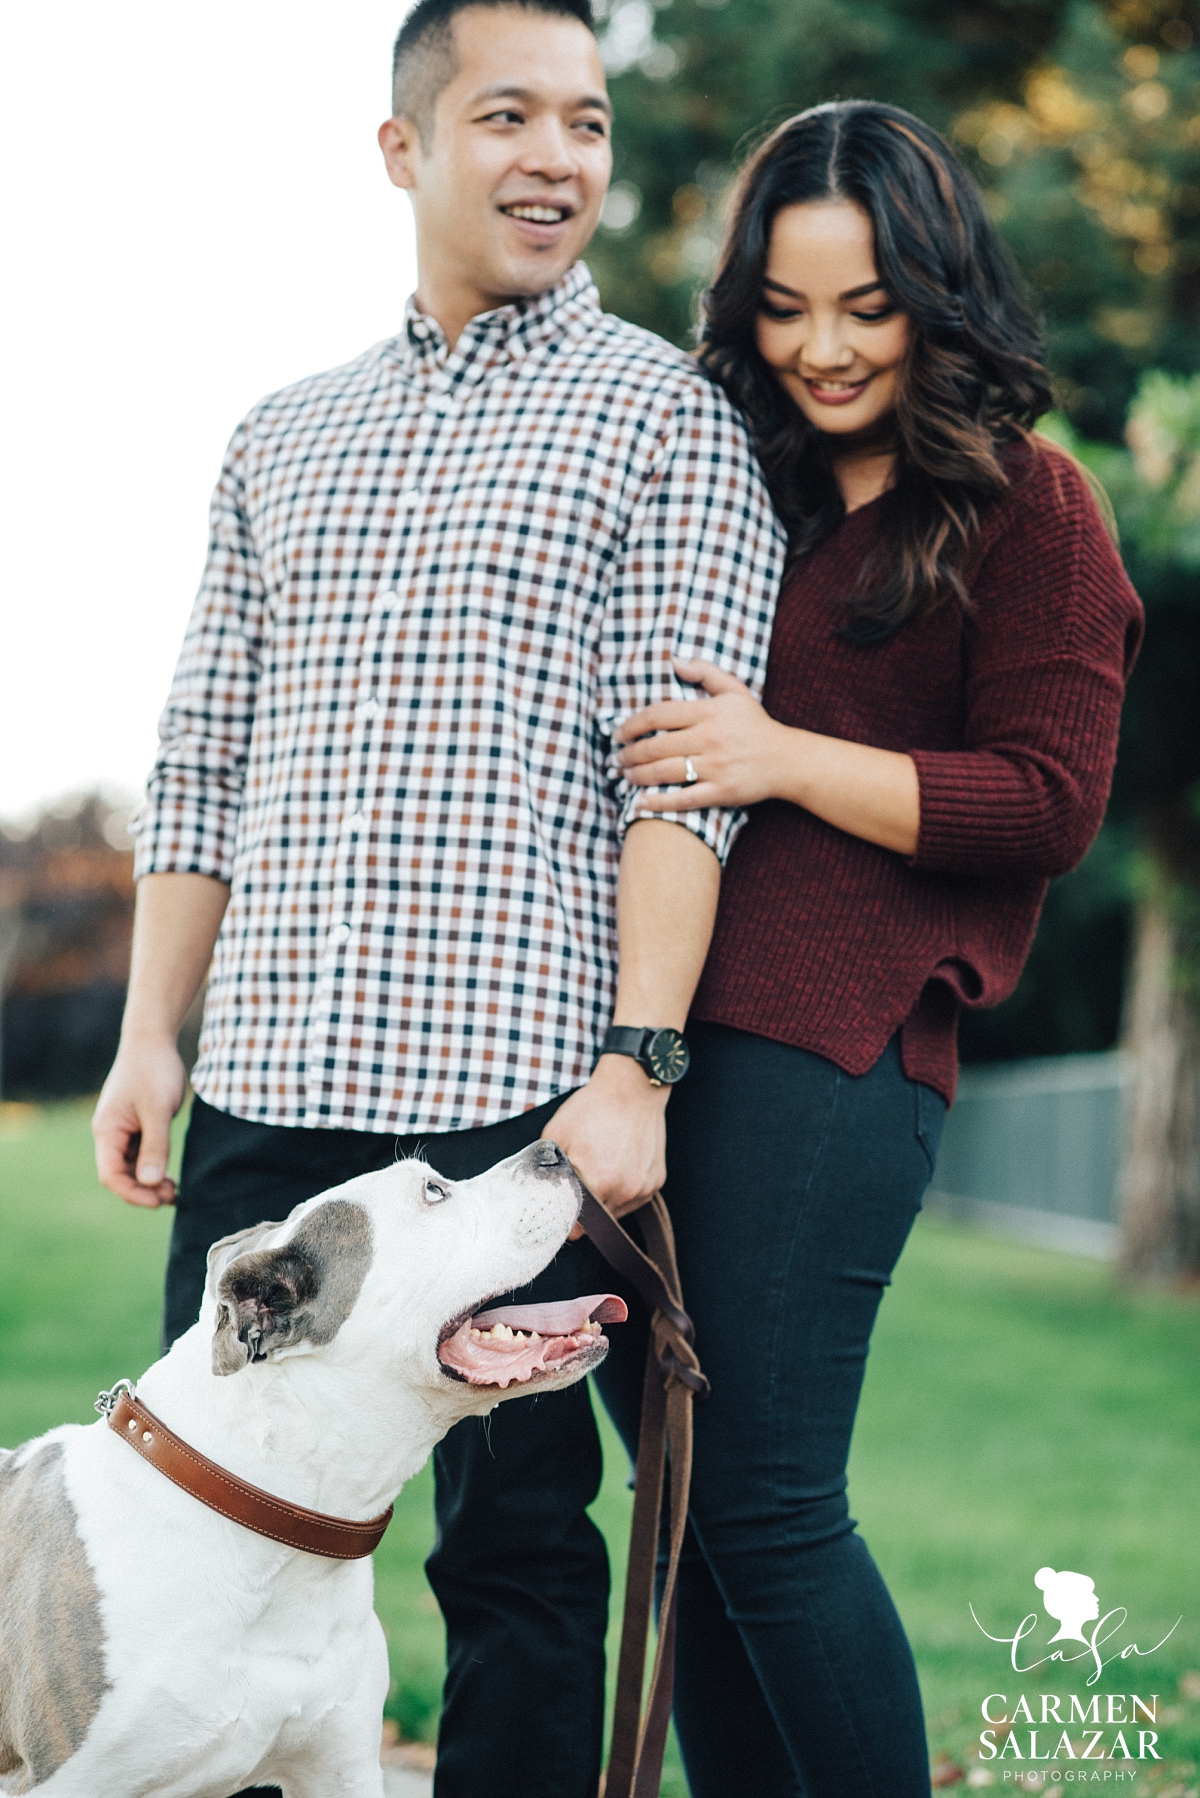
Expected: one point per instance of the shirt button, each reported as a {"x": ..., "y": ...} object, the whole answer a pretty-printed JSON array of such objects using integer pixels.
[
  {"x": 355, "y": 821},
  {"x": 369, "y": 709},
  {"x": 408, "y": 496},
  {"x": 341, "y": 933}
]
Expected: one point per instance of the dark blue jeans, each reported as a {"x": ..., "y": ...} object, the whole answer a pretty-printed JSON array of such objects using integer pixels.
[{"x": 792, "y": 1187}]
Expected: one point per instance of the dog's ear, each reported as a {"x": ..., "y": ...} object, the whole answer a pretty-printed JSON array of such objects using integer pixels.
[
  {"x": 301, "y": 1291},
  {"x": 223, "y": 1252}
]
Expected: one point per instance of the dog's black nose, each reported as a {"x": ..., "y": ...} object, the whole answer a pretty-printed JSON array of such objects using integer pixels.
[{"x": 548, "y": 1154}]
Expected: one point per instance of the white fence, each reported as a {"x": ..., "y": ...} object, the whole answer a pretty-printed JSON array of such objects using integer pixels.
[{"x": 1032, "y": 1148}]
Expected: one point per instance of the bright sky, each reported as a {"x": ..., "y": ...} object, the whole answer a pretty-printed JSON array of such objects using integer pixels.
[{"x": 200, "y": 214}]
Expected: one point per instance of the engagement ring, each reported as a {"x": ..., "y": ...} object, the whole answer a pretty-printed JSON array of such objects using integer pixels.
[{"x": 690, "y": 777}]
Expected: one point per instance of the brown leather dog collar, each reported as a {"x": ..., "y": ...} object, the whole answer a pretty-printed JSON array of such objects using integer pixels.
[{"x": 338, "y": 1538}]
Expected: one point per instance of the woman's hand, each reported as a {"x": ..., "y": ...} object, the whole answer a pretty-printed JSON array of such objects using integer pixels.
[
  {"x": 740, "y": 755},
  {"x": 734, "y": 747}
]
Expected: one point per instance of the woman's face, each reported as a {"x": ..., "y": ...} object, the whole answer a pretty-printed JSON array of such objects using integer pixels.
[{"x": 826, "y": 325}]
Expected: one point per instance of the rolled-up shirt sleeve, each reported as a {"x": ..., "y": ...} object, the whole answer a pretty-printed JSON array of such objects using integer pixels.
[
  {"x": 188, "y": 823},
  {"x": 1055, "y": 629},
  {"x": 697, "y": 576}
]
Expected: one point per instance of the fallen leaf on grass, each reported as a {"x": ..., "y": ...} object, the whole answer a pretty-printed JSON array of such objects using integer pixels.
[{"x": 946, "y": 1773}]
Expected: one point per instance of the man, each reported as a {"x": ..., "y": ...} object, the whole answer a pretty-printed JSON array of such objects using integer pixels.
[{"x": 436, "y": 578}]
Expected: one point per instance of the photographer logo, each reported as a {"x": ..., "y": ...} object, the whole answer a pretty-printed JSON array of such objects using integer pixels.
[{"x": 1110, "y": 1727}]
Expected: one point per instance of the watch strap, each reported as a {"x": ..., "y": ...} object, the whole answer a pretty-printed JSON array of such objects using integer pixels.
[{"x": 625, "y": 1039}]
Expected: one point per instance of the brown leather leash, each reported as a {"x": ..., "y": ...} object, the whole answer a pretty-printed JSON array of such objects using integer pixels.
[
  {"x": 337, "y": 1538},
  {"x": 673, "y": 1379}
]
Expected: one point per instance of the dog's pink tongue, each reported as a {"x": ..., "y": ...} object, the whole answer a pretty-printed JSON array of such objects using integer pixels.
[{"x": 561, "y": 1318}]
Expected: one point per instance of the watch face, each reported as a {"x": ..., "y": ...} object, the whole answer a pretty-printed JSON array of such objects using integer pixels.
[{"x": 667, "y": 1054}]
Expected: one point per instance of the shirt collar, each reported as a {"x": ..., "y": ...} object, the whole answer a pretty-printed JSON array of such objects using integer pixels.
[{"x": 505, "y": 335}]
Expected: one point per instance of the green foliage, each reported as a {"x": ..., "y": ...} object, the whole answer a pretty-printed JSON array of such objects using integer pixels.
[
  {"x": 1081, "y": 120},
  {"x": 1154, "y": 482},
  {"x": 692, "y": 81},
  {"x": 1095, "y": 181},
  {"x": 1164, "y": 439}
]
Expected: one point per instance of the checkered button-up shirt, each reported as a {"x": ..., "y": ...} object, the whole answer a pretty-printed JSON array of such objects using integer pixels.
[{"x": 436, "y": 579}]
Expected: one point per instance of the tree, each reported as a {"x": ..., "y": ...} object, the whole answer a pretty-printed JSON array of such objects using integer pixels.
[
  {"x": 66, "y": 913},
  {"x": 692, "y": 80},
  {"x": 1155, "y": 487},
  {"x": 1095, "y": 176},
  {"x": 1082, "y": 120}
]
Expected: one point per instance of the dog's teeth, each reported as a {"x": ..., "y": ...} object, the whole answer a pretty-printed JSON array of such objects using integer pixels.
[
  {"x": 534, "y": 1337},
  {"x": 476, "y": 1334}
]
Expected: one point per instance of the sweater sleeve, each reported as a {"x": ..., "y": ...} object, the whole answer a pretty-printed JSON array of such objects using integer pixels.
[{"x": 1047, "y": 653}]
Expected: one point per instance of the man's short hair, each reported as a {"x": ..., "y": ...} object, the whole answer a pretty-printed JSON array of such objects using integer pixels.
[{"x": 423, "y": 59}]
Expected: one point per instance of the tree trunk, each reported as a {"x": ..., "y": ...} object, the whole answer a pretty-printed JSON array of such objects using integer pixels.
[{"x": 1160, "y": 1180}]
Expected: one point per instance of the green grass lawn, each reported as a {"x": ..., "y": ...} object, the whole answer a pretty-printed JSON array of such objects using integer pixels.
[{"x": 1020, "y": 1410}]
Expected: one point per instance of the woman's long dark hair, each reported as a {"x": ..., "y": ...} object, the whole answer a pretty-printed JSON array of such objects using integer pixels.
[{"x": 971, "y": 384}]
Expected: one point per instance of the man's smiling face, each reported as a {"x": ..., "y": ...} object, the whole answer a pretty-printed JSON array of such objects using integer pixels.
[{"x": 508, "y": 184}]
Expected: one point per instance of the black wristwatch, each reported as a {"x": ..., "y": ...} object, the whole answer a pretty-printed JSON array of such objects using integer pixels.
[{"x": 663, "y": 1053}]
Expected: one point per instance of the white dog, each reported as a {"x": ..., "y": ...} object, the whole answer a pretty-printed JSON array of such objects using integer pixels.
[{"x": 149, "y": 1645}]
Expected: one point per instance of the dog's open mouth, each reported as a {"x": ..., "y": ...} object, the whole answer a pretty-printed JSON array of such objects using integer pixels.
[{"x": 517, "y": 1343}]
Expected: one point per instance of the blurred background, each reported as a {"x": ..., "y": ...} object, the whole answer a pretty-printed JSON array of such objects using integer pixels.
[
  {"x": 200, "y": 214},
  {"x": 197, "y": 215}
]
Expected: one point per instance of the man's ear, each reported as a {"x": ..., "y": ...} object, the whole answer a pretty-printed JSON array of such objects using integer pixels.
[
  {"x": 301, "y": 1291},
  {"x": 400, "y": 141}
]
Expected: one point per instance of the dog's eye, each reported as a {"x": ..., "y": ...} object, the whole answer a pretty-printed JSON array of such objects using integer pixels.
[{"x": 435, "y": 1192}]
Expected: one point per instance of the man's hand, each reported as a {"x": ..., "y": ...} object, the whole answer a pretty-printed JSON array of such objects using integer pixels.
[
  {"x": 174, "y": 928},
  {"x": 613, "y": 1130},
  {"x": 132, "y": 1122}
]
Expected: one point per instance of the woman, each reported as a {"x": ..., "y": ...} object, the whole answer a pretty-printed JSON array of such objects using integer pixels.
[{"x": 936, "y": 740}]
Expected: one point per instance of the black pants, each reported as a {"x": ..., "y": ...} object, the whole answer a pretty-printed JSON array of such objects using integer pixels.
[{"x": 792, "y": 1187}]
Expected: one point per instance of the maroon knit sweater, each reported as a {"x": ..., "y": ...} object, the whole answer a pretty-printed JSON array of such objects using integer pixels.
[{"x": 1011, "y": 715}]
